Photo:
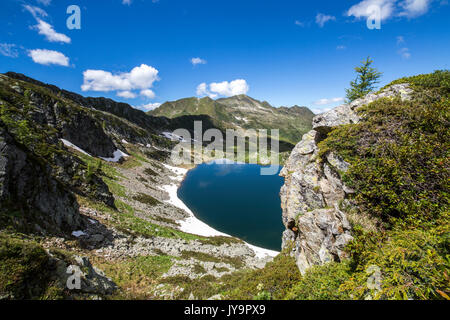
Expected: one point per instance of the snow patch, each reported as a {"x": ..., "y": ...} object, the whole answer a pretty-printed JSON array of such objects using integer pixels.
[
  {"x": 242, "y": 119},
  {"x": 224, "y": 161},
  {"x": 78, "y": 233},
  {"x": 171, "y": 136},
  {"x": 116, "y": 156},
  {"x": 71, "y": 145}
]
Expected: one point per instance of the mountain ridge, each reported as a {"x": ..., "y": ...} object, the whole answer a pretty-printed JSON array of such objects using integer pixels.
[{"x": 242, "y": 111}]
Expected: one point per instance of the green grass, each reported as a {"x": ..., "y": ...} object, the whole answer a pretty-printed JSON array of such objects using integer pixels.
[
  {"x": 322, "y": 283},
  {"x": 201, "y": 288},
  {"x": 276, "y": 279},
  {"x": 199, "y": 269},
  {"x": 135, "y": 276},
  {"x": 146, "y": 199},
  {"x": 236, "y": 262},
  {"x": 150, "y": 172},
  {"x": 26, "y": 270}
]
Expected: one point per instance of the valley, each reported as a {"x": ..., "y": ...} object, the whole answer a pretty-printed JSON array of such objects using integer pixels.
[{"x": 90, "y": 201}]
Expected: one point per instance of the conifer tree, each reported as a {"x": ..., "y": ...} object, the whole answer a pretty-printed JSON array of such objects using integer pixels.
[{"x": 366, "y": 79}]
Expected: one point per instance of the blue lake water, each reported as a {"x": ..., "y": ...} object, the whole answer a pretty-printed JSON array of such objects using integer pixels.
[{"x": 237, "y": 200}]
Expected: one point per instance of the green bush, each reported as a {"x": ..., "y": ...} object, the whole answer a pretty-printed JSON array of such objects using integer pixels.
[
  {"x": 440, "y": 79},
  {"x": 274, "y": 281},
  {"x": 399, "y": 156},
  {"x": 146, "y": 199},
  {"x": 322, "y": 283},
  {"x": 25, "y": 271},
  {"x": 414, "y": 263}
]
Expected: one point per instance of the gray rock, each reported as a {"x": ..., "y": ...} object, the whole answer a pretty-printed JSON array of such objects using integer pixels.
[
  {"x": 347, "y": 113},
  {"x": 337, "y": 162},
  {"x": 91, "y": 279},
  {"x": 343, "y": 114},
  {"x": 28, "y": 182},
  {"x": 313, "y": 190}
]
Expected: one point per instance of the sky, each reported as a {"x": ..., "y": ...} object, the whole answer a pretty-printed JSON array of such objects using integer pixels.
[{"x": 146, "y": 52}]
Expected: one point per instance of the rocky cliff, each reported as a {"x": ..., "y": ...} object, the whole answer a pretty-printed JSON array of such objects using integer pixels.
[{"x": 314, "y": 198}]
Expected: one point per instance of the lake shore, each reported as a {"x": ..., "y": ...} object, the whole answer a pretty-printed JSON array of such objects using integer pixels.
[{"x": 195, "y": 226}]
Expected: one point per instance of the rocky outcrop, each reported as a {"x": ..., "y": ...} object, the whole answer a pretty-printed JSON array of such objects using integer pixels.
[
  {"x": 82, "y": 277},
  {"x": 27, "y": 185},
  {"x": 346, "y": 113},
  {"x": 317, "y": 230},
  {"x": 38, "y": 177}
]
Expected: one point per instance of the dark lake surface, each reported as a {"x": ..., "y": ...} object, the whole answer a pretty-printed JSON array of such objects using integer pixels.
[{"x": 237, "y": 200}]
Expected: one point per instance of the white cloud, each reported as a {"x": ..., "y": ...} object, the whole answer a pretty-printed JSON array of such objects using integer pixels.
[
  {"x": 321, "y": 19},
  {"x": 320, "y": 110},
  {"x": 364, "y": 8},
  {"x": 404, "y": 53},
  {"x": 414, "y": 8},
  {"x": 341, "y": 47},
  {"x": 139, "y": 78},
  {"x": 128, "y": 2},
  {"x": 196, "y": 61},
  {"x": 148, "y": 107},
  {"x": 225, "y": 88},
  {"x": 47, "y": 30},
  {"x": 323, "y": 102},
  {"x": 299, "y": 23},
  {"x": 8, "y": 50},
  {"x": 390, "y": 8},
  {"x": 48, "y": 57},
  {"x": 126, "y": 94},
  {"x": 202, "y": 90},
  {"x": 148, "y": 93},
  {"x": 36, "y": 12},
  {"x": 45, "y": 2},
  {"x": 400, "y": 40},
  {"x": 229, "y": 89}
]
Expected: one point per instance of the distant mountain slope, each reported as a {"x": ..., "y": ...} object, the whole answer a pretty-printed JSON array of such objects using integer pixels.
[{"x": 243, "y": 112}]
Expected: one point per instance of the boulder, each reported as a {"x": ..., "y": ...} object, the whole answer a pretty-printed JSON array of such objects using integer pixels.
[{"x": 82, "y": 277}]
